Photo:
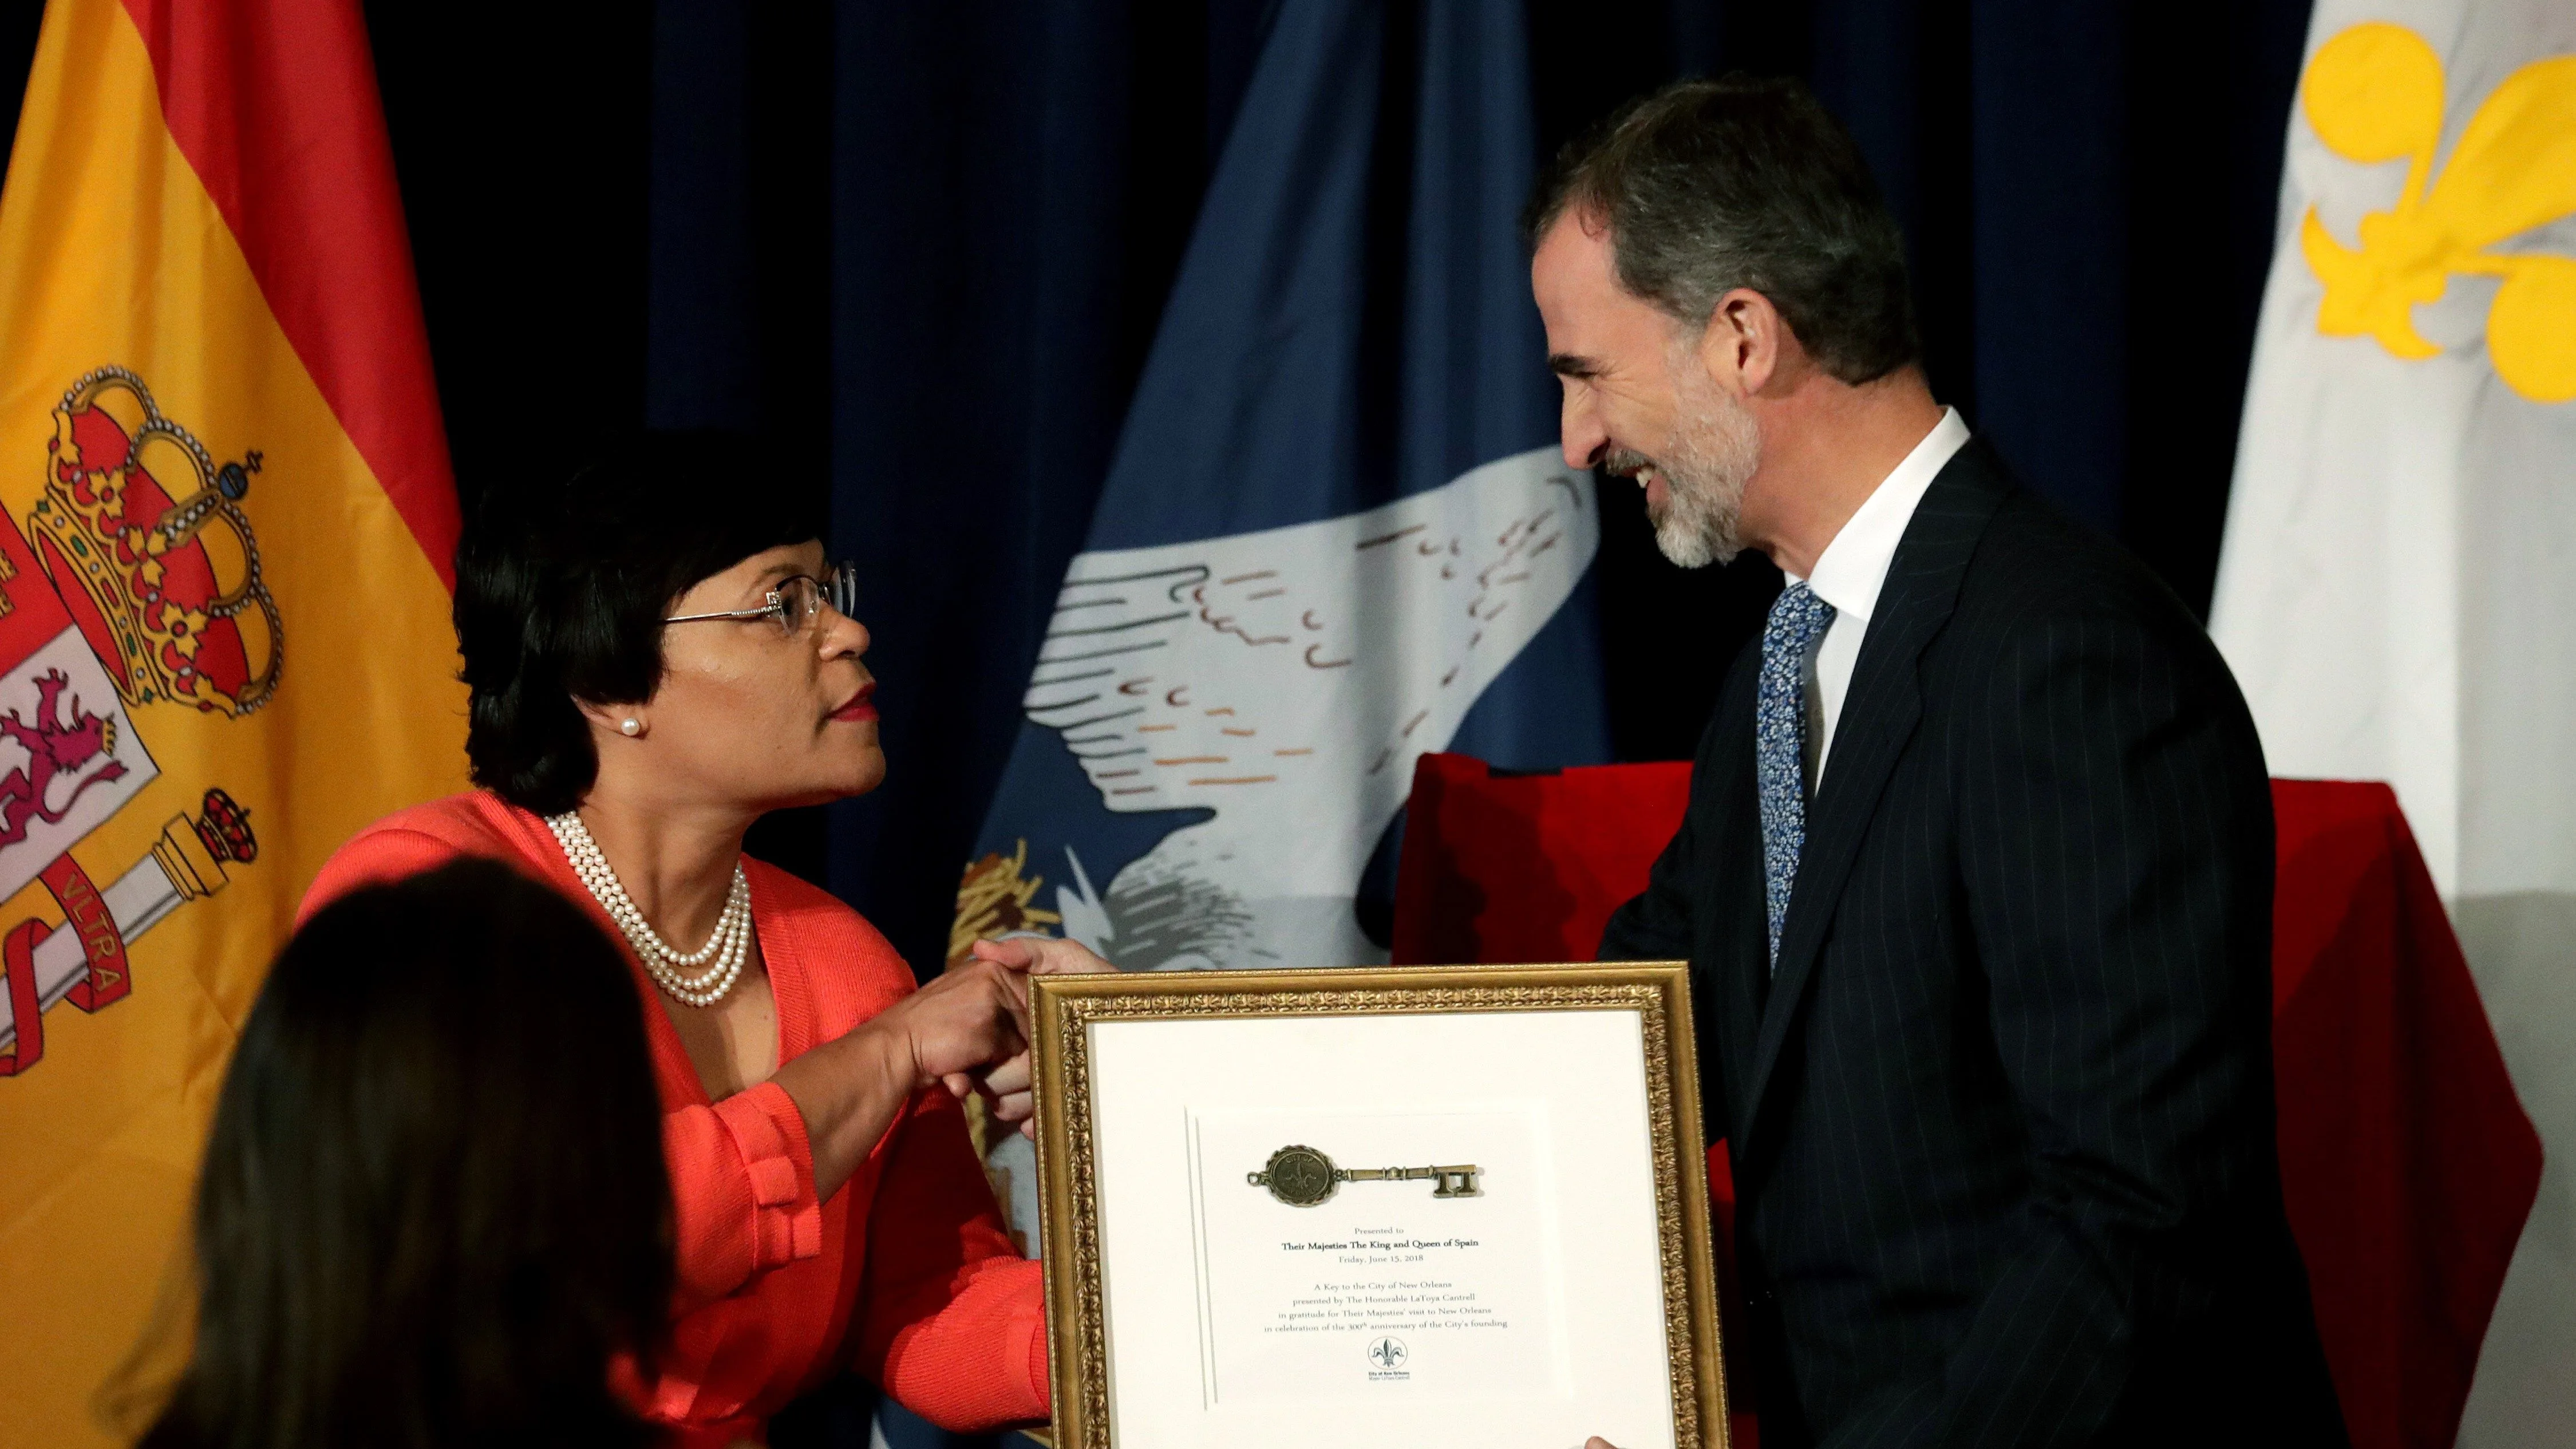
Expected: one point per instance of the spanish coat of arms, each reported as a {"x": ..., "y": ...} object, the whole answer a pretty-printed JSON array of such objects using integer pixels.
[{"x": 115, "y": 595}]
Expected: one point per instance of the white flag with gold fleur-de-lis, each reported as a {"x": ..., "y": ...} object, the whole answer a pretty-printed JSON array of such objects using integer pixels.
[{"x": 2397, "y": 590}]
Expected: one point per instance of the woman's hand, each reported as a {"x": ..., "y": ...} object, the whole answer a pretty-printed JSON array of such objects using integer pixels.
[
  {"x": 850, "y": 1089},
  {"x": 1008, "y": 1084},
  {"x": 970, "y": 1017}
]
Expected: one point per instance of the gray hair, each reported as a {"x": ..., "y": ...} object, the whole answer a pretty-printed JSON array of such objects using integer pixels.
[{"x": 1707, "y": 186}]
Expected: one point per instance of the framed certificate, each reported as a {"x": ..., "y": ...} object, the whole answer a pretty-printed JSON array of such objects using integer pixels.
[{"x": 1386, "y": 1206}]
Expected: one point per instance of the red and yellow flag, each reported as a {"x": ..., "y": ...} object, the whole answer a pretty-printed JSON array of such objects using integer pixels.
[{"x": 226, "y": 518}]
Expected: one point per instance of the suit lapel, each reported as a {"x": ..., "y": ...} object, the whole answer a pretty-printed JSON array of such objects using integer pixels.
[{"x": 1878, "y": 717}]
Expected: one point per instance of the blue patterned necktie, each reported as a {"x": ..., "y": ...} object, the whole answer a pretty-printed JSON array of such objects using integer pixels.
[{"x": 1798, "y": 620}]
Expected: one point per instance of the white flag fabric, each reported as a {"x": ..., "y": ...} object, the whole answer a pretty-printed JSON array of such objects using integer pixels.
[{"x": 2397, "y": 591}]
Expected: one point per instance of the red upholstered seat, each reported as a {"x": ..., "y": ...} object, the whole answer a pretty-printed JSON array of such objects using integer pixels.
[{"x": 2407, "y": 1163}]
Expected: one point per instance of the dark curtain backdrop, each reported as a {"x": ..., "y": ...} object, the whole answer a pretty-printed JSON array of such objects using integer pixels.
[{"x": 921, "y": 251}]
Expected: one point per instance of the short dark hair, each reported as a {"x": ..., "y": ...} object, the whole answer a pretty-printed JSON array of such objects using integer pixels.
[
  {"x": 1710, "y": 185},
  {"x": 561, "y": 592},
  {"x": 433, "y": 1208}
]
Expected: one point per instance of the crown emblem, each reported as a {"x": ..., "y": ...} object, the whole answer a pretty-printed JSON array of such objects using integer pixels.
[
  {"x": 2374, "y": 93},
  {"x": 174, "y": 607}
]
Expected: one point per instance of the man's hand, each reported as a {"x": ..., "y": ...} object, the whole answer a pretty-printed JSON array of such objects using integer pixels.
[
  {"x": 1007, "y": 1085},
  {"x": 1040, "y": 955}
]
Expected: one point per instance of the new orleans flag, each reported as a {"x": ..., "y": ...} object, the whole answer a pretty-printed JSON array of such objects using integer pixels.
[
  {"x": 225, "y": 524},
  {"x": 2396, "y": 592}
]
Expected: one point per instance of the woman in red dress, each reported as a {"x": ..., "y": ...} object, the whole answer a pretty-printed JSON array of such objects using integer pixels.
[{"x": 658, "y": 655}]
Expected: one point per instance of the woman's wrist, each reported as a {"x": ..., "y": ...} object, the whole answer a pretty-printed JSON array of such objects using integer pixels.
[
  {"x": 850, "y": 1090},
  {"x": 881, "y": 1055}
]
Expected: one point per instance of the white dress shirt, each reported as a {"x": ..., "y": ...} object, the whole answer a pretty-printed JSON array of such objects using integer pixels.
[{"x": 1852, "y": 568}]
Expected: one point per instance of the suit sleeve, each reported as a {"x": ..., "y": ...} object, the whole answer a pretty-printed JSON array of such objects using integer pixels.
[
  {"x": 951, "y": 1319},
  {"x": 1656, "y": 924},
  {"x": 1660, "y": 923},
  {"x": 2116, "y": 853}
]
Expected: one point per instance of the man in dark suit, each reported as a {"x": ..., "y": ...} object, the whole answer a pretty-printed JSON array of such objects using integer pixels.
[{"x": 1976, "y": 880}]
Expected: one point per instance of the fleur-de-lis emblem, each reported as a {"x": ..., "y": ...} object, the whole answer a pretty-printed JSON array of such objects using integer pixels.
[{"x": 2374, "y": 93}]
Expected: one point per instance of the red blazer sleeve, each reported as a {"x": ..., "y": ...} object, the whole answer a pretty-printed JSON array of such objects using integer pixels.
[
  {"x": 951, "y": 1319},
  {"x": 742, "y": 1191}
]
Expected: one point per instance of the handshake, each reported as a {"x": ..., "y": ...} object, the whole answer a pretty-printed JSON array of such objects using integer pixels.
[{"x": 968, "y": 1030}]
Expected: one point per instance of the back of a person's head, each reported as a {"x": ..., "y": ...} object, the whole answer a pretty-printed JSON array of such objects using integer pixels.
[{"x": 433, "y": 1208}]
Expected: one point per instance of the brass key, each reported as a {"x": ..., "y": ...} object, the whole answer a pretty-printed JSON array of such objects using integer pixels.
[{"x": 1303, "y": 1177}]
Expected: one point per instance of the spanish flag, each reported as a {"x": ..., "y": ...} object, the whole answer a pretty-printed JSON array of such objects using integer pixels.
[{"x": 226, "y": 520}]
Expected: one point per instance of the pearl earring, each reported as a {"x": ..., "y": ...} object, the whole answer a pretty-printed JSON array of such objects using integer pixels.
[{"x": 631, "y": 727}]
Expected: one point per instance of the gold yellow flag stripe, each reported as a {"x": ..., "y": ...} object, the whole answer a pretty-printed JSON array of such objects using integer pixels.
[{"x": 113, "y": 254}]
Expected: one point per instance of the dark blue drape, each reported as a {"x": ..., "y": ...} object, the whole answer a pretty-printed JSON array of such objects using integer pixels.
[
  {"x": 1351, "y": 324},
  {"x": 925, "y": 249},
  {"x": 993, "y": 202},
  {"x": 922, "y": 250},
  {"x": 997, "y": 197},
  {"x": 982, "y": 198}
]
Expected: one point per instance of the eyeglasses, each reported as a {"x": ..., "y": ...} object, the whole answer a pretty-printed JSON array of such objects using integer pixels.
[{"x": 797, "y": 601}]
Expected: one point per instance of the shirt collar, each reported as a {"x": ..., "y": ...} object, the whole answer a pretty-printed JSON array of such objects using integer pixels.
[{"x": 1853, "y": 566}]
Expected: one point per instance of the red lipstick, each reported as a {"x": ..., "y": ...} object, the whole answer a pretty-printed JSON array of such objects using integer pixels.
[{"x": 861, "y": 706}]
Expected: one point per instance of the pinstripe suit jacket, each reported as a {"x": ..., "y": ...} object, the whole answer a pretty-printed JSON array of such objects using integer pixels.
[{"x": 2002, "y": 1119}]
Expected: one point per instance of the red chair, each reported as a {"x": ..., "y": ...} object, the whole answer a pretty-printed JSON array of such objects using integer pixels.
[{"x": 2407, "y": 1163}]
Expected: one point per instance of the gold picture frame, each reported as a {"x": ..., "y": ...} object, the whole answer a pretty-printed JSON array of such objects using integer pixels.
[{"x": 1066, "y": 1009}]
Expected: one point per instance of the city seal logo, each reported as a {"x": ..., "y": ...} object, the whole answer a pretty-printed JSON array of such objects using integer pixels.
[{"x": 1387, "y": 1355}]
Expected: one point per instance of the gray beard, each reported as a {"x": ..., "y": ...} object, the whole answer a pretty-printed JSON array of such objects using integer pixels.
[{"x": 1716, "y": 448}]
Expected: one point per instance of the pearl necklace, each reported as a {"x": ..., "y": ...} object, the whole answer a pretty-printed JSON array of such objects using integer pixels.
[{"x": 728, "y": 948}]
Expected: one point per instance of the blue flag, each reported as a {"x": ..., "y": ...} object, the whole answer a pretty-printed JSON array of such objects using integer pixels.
[{"x": 1336, "y": 533}]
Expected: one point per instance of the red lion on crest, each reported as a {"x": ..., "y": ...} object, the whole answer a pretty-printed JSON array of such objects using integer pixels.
[{"x": 53, "y": 748}]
